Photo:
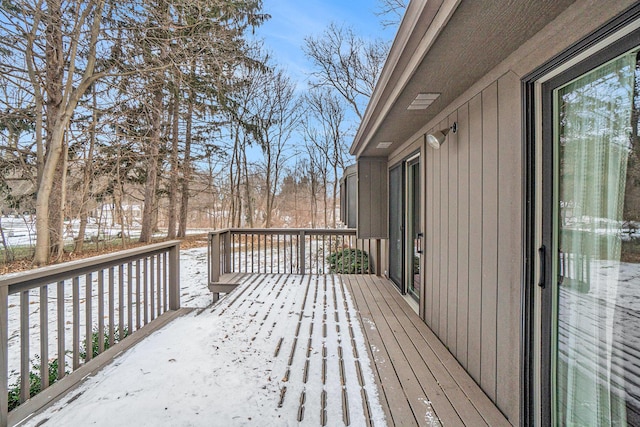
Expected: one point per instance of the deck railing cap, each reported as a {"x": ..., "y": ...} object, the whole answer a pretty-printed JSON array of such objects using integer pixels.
[{"x": 81, "y": 264}]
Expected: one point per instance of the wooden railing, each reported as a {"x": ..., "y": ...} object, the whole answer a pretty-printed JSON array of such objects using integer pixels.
[
  {"x": 291, "y": 251},
  {"x": 62, "y": 315}
]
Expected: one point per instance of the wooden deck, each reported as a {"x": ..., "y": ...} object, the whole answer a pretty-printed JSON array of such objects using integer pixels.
[
  {"x": 313, "y": 366},
  {"x": 420, "y": 382}
]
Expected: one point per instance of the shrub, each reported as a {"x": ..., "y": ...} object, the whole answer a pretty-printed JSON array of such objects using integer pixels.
[
  {"x": 35, "y": 382},
  {"x": 105, "y": 337},
  {"x": 349, "y": 261}
]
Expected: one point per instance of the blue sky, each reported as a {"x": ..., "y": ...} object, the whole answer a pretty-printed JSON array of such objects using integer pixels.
[{"x": 293, "y": 20}]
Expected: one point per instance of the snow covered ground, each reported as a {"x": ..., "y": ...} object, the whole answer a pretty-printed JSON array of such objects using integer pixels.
[{"x": 270, "y": 353}]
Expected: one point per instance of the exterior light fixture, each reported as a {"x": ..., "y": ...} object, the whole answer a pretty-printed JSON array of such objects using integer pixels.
[{"x": 437, "y": 138}]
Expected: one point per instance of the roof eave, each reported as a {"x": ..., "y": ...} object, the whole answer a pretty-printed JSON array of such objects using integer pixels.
[{"x": 408, "y": 29}]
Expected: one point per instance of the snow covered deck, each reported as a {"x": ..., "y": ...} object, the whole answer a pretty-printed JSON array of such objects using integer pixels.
[{"x": 285, "y": 350}]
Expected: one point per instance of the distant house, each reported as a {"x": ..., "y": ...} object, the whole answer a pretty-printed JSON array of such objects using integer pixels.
[{"x": 499, "y": 161}]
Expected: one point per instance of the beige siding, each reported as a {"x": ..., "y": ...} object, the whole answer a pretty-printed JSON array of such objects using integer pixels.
[
  {"x": 473, "y": 239},
  {"x": 429, "y": 236},
  {"x": 437, "y": 244},
  {"x": 452, "y": 261},
  {"x": 489, "y": 239},
  {"x": 463, "y": 235},
  {"x": 372, "y": 198},
  {"x": 475, "y": 236},
  {"x": 510, "y": 245}
]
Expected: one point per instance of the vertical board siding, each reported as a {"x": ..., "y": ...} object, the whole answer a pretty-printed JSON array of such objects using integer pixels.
[
  {"x": 509, "y": 246},
  {"x": 489, "y": 239},
  {"x": 463, "y": 234},
  {"x": 452, "y": 287},
  {"x": 444, "y": 233},
  {"x": 427, "y": 300},
  {"x": 437, "y": 232},
  {"x": 475, "y": 236},
  {"x": 372, "y": 191},
  {"x": 473, "y": 240}
]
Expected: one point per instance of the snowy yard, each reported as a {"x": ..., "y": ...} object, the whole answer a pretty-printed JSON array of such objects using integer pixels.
[{"x": 280, "y": 350}]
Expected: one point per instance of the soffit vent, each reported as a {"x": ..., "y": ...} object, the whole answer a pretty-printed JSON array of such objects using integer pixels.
[{"x": 422, "y": 101}]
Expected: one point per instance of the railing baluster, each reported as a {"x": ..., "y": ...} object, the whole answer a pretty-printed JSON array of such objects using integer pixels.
[
  {"x": 138, "y": 294},
  {"x": 88, "y": 302},
  {"x": 145, "y": 290},
  {"x": 130, "y": 297},
  {"x": 121, "y": 312},
  {"x": 4, "y": 355},
  {"x": 44, "y": 336},
  {"x": 75, "y": 324},
  {"x": 112, "y": 303},
  {"x": 165, "y": 283},
  {"x": 152, "y": 305},
  {"x": 158, "y": 286},
  {"x": 100, "y": 311},
  {"x": 24, "y": 346},
  {"x": 61, "y": 331}
]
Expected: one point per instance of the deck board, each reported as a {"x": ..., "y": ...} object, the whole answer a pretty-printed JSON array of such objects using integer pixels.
[
  {"x": 393, "y": 396},
  {"x": 455, "y": 398},
  {"x": 414, "y": 373}
]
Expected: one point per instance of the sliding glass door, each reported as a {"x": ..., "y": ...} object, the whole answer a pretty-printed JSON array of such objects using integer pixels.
[
  {"x": 413, "y": 239},
  {"x": 592, "y": 227},
  {"x": 405, "y": 234},
  {"x": 396, "y": 225}
]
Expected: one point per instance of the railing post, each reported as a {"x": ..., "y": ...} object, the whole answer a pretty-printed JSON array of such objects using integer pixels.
[
  {"x": 174, "y": 277},
  {"x": 301, "y": 254},
  {"x": 4, "y": 354},
  {"x": 214, "y": 252},
  {"x": 214, "y": 262},
  {"x": 227, "y": 252}
]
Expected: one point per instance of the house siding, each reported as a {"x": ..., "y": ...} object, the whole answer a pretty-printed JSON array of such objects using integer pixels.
[
  {"x": 473, "y": 211},
  {"x": 473, "y": 239}
]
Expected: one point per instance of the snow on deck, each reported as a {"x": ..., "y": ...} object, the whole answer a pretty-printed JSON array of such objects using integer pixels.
[{"x": 279, "y": 350}]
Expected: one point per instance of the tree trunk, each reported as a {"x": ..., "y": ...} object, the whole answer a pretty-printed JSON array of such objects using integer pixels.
[
  {"x": 152, "y": 151},
  {"x": 173, "y": 164},
  {"x": 249, "y": 206},
  {"x": 335, "y": 194},
  {"x": 186, "y": 169},
  {"x": 88, "y": 173},
  {"x": 48, "y": 210}
]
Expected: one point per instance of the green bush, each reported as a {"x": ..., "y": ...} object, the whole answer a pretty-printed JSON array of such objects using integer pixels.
[
  {"x": 35, "y": 382},
  {"x": 105, "y": 337},
  {"x": 349, "y": 261}
]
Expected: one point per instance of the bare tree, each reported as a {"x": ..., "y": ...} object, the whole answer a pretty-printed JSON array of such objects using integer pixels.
[
  {"x": 277, "y": 115},
  {"x": 347, "y": 63},
  {"x": 328, "y": 113},
  {"x": 391, "y": 12}
]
